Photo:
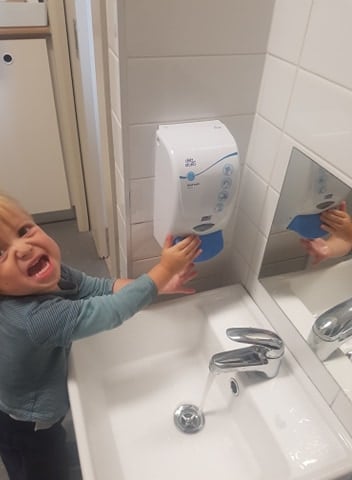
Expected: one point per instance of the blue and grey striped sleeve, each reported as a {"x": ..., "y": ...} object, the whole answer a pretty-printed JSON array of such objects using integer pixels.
[
  {"x": 60, "y": 321},
  {"x": 87, "y": 286}
]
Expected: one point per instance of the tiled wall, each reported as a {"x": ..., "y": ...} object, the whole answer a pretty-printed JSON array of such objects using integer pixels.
[
  {"x": 178, "y": 62},
  {"x": 305, "y": 102}
]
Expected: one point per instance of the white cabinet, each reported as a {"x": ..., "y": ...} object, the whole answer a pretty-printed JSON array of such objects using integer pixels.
[{"x": 32, "y": 166}]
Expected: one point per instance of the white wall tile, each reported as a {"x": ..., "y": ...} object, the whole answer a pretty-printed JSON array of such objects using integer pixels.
[
  {"x": 288, "y": 28},
  {"x": 281, "y": 162},
  {"x": 327, "y": 49},
  {"x": 245, "y": 236},
  {"x": 201, "y": 27},
  {"x": 215, "y": 266},
  {"x": 320, "y": 117},
  {"x": 283, "y": 245},
  {"x": 268, "y": 212},
  {"x": 201, "y": 284},
  {"x": 141, "y": 141},
  {"x": 142, "y": 200},
  {"x": 143, "y": 266},
  {"x": 263, "y": 147},
  {"x": 143, "y": 242},
  {"x": 258, "y": 252},
  {"x": 179, "y": 89},
  {"x": 276, "y": 89},
  {"x": 239, "y": 268},
  {"x": 253, "y": 191}
]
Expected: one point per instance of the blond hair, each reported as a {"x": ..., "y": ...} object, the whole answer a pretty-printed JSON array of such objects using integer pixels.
[{"x": 8, "y": 206}]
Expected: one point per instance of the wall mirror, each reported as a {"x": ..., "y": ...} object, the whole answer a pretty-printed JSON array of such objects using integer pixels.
[{"x": 302, "y": 290}]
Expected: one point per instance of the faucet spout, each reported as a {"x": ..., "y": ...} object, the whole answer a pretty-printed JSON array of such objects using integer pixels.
[
  {"x": 331, "y": 329},
  {"x": 263, "y": 356}
]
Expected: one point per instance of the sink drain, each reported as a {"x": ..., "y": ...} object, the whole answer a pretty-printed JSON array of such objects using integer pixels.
[{"x": 188, "y": 418}]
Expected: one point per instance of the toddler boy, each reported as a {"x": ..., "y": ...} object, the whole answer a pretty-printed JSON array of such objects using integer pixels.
[{"x": 44, "y": 307}]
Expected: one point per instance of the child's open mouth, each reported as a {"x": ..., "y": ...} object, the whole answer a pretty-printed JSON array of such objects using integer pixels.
[{"x": 40, "y": 268}]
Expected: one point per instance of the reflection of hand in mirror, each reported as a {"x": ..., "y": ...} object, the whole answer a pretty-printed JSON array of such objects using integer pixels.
[
  {"x": 318, "y": 249},
  {"x": 338, "y": 222}
]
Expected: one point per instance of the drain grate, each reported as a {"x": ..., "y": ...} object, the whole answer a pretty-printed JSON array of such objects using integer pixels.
[{"x": 188, "y": 418}]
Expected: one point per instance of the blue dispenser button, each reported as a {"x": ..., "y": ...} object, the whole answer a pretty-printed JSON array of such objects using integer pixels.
[
  {"x": 226, "y": 183},
  {"x": 223, "y": 195},
  {"x": 219, "y": 207},
  {"x": 228, "y": 169},
  {"x": 211, "y": 245},
  {"x": 191, "y": 176}
]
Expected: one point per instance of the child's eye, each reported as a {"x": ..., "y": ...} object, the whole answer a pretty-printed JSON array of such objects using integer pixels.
[
  {"x": 2, "y": 252},
  {"x": 25, "y": 229}
]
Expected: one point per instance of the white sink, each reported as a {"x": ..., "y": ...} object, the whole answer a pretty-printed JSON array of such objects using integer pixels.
[
  {"x": 23, "y": 14},
  {"x": 125, "y": 384}
]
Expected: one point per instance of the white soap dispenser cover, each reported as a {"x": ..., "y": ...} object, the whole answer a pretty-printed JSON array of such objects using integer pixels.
[{"x": 196, "y": 181}]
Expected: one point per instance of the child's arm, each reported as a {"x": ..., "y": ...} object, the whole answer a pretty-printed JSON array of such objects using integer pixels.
[
  {"x": 59, "y": 322},
  {"x": 320, "y": 249},
  {"x": 174, "y": 269}
]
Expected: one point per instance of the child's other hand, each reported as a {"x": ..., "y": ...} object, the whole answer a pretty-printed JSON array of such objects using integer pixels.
[
  {"x": 175, "y": 257},
  {"x": 174, "y": 269},
  {"x": 337, "y": 222},
  {"x": 178, "y": 281},
  {"x": 318, "y": 249}
]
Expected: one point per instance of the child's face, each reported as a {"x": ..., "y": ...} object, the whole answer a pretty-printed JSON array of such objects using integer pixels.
[{"x": 29, "y": 259}]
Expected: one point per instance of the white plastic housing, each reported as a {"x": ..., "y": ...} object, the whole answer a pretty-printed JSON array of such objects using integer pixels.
[{"x": 196, "y": 178}]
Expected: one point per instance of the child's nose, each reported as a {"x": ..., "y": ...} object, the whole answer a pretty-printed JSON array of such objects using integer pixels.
[{"x": 23, "y": 249}]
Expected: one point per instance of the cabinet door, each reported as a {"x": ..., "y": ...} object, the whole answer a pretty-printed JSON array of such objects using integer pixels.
[{"x": 32, "y": 166}]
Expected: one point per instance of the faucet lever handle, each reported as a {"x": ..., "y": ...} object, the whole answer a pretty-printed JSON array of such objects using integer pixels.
[{"x": 272, "y": 343}]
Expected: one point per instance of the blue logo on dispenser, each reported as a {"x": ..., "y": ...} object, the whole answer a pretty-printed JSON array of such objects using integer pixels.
[{"x": 228, "y": 168}]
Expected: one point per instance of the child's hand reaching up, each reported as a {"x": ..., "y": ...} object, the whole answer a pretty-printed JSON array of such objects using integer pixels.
[
  {"x": 173, "y": 269},
  {"x": 338, "y": 222}
]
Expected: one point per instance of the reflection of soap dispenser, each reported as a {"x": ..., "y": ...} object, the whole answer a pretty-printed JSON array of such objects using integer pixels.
[
  {"x": 196, "y": 181},
  {"x": 308, "y": 192}
]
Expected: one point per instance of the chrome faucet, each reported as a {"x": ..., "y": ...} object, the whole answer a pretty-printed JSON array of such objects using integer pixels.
[
  {"x": 263, "y": 355},
  {"x": 331, "y": 329}
]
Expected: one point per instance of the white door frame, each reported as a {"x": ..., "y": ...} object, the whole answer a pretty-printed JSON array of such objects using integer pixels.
[
  {"x": 85, "y": 20},
  {"x": 65, "y": 105}
]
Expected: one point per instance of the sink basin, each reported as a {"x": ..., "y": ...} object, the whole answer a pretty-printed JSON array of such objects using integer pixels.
[
  {"x": 23, "y": 14},
  {"x": 125, "y": 385}
]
